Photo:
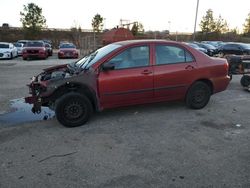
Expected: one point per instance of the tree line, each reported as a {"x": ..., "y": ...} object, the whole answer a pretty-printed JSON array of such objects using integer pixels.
[
  {"x": 33, "y": 22},
  {"x": 210, "y": 24}
]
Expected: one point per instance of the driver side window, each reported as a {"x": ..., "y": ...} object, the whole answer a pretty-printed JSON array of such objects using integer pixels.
[{"x": 131, "y": 58}]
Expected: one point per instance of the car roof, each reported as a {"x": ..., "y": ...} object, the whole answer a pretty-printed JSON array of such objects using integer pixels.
[{"x": 127, "y": 42}]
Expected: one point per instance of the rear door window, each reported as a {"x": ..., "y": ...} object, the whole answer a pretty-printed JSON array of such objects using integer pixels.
[{"x": 166, "y": 54}]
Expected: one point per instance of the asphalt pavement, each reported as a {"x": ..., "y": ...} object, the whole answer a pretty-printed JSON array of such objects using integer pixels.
[{"x": 156, "y": 145}]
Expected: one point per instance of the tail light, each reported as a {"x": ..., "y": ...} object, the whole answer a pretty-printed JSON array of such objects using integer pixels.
[{"x": 226, "y": 65}]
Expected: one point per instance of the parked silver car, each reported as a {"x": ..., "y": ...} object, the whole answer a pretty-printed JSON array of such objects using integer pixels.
[{"x": 19, "y": 47}]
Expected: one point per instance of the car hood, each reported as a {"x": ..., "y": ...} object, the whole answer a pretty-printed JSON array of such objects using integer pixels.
[
  {"x": 55, "y": 68},
  {"x": 59, "y": 72},
  {"x": 2, "y": 50}
]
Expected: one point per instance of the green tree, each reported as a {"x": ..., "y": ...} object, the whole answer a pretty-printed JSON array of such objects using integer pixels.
[
  {"x": 137, "y": 29},
  {"x": 220, "y": 25},
  {"x": 32, "y": 19},
  {"x": 207, "y": 23},
  {"x": 246, "y": 26},
  {"x": 97, "y": 23}
]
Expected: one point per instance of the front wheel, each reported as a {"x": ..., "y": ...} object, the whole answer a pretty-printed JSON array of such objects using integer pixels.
[
  {"x": 198, "y": 95},
  {"x": 245, "y": 80},
  {"x": 73, "y": 109}
]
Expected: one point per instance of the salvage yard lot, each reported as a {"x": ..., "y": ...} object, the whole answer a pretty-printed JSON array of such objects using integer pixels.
[{"x": 158, "y": 145}]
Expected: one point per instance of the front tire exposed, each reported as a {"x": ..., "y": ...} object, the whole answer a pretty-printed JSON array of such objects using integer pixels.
[
  {"x": 245, "y": 80},
  {"x": 73, "y": 109},
  {"x": 198, "y": 95}
]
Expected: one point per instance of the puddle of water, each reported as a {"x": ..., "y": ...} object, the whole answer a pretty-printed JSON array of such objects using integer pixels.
[{"x": 20, "y": 112}]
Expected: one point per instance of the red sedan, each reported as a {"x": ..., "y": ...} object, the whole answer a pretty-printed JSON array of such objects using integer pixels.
[
  {"x": 34, "y": 49},
  {"x": 67, "y": 50},
  {"x": 128, "y": 73}
]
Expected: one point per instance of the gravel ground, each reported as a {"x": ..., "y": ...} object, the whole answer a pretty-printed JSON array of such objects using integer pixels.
[{"x": 158, "y": 145}]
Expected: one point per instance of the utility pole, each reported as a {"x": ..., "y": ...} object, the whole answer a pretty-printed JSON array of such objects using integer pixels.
[{"x": 197, "y": 7}]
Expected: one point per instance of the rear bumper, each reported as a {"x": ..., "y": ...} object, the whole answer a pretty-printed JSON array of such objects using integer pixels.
[{"x": 221, "y": 84}]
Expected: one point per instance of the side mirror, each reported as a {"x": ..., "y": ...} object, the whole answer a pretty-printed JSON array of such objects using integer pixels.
[{"x": 108, "y": 66}]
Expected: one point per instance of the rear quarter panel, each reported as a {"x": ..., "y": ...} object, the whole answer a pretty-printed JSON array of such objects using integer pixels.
[{"x": 213, "y": 69}]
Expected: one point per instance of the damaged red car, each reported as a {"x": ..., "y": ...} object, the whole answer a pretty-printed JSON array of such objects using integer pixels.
[{"x": 128, "y": 73}]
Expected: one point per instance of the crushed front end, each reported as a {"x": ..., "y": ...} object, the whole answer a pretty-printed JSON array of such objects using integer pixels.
[
  {"x": 43, "y": 85},
  {"x": 37, "y": 89}
]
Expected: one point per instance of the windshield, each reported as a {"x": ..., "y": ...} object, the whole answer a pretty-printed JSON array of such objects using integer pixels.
[
  {"x": 18, "y": 44},
  {"x": 245, "y": 46},
  {"x": 67, "y": 46},
  {"x": 91, "y": 59},
  {"x": 193, "y": 45},
  {"x": 34, "y": 44},
  {"x": 4, "y": 46},
  {"x": 209, "y": 46}
]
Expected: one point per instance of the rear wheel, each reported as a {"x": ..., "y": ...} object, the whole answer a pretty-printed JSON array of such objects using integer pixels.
[
  {"x": 198, "y": 95},
  {"x": 245, "y": 80},
  {"x": 73, "y": 109}
]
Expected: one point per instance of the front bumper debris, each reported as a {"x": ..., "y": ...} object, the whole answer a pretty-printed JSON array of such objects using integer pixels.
[{"x": 37, "y": 103}]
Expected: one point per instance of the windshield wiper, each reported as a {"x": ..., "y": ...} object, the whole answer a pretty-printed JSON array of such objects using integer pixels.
[{"x": 92, "y": 56}]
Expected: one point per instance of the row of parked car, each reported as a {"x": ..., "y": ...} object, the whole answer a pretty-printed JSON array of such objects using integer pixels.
[
  {"x": 219, "y": 48},
  {"x": 43, "y": 48},
  {"x": 39, "y": 49}
]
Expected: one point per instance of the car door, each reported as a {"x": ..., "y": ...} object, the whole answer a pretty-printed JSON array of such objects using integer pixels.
[
  {"x": 130, "y": 81},
  {"x": 174, "y": 71}
]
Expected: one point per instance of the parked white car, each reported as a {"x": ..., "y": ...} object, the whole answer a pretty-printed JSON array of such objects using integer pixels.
[
  {"x": 19, "y": 47},
  {"x": 7, "y": 50}
]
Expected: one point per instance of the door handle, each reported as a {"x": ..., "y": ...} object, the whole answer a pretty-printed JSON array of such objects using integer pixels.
[
  {"x": 146, "y": 72},
  {"x": 189, "y": 67}
]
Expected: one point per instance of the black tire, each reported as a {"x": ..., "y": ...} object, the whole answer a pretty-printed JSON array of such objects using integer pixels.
[
  {"x": 245, "y": 80},
  {"x": 231, "y": 77},
  {"x": 11, "y": 55},
  {"x": 73, "y": 109},
  {"x": 221, "y": 54},
  {"x": 198, "y": 95}
]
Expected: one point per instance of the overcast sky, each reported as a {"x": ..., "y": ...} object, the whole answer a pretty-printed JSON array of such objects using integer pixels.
[{"x": 176, "y": 15}]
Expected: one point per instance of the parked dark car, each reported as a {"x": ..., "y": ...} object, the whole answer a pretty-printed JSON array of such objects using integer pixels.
[
  {"x": 195, "y": 46},
  {"x": 216, "y": 44},
  {"x": 128, "y": 73},
  {"x": 234, "y": 48},
  {"x": 211, "y": 50},
  {"x": 67, "y": 50},
  {"x": 34, "y": 49}
]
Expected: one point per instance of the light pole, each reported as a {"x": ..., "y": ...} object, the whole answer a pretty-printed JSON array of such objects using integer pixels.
[
  {"x": 169, "y": 24},
  {"x": 197, "y": 7}
]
